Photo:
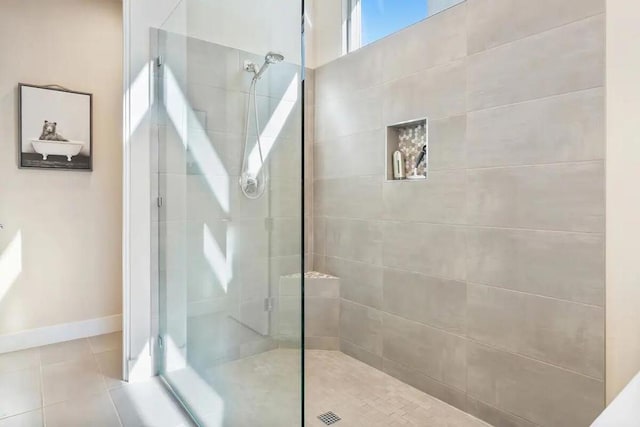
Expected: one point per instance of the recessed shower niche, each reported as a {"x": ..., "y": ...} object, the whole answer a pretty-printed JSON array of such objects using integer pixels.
[{"x": 407, "y": 151}]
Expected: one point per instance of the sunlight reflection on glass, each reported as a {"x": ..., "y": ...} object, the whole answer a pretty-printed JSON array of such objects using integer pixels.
[
  {"x": 274, "y": 126},
  {"x": 216, "y": 258},
  {"x": 209, "y": 162}
]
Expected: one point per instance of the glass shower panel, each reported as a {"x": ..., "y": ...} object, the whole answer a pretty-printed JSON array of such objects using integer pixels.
[{"x": 229, "y": 162}]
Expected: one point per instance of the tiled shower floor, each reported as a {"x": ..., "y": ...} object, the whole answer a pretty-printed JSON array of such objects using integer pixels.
[
  {"x": 364, "y": 396},
  {"x": 75, "y": 384},
  {"x": 263, "y": 390}
]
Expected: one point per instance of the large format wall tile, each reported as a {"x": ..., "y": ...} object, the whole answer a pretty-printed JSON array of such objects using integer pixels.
[
  {"x": 440, "y": 303},
  {"x": 562, "y": 265},
  {"x": 426, "y": 44},
  {"x": 361, "y": 354},
  {"x": 354, "y": 197},
  {"x": 286, "y": 196},
  {"x": 359, "y": 282},
  {"x": 557, "y": 129},
  {"x": 222, "y": 109},
  {"x": 353, "y": 112},
  {"x": 286, "y": 237},
  {"x": 554, "y": 197},
  {"x": 494, "y": 22},
  {"x": 425, "y": 383},
  {"x": 318, "y": 235},
  {"x": 360, "y": 69},
  {"x": 536, "y": 391},
  {"x": 354, "y": 239},
  {"x": 435, "y": 353},
  {"x": 562, "y": 333},
  {"x": 322, "y": 316},
  {"x": 435, "y": 93},
  {"x": 361, "y": 326},
  {"x": 439, "y": 199},
  {"x": 208, "y": 63},
  {"x": 562, "y": 60},
  {"x": 434, "y": 250},
  {"x": 495, "y": 416},
  {"x": 353, "y": 155},
  {"x": 447, "y": 143}
]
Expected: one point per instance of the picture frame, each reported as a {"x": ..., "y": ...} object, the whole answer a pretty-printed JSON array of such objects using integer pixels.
[{"x": 55, "y": 129}]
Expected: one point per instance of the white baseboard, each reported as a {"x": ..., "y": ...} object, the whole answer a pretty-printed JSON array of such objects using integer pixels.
[{"x": 60, "y": 333}]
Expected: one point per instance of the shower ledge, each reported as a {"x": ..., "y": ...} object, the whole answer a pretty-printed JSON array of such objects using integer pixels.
[
  {"x": 311, "y": 275},
  {"x": 322, "y": 309}
]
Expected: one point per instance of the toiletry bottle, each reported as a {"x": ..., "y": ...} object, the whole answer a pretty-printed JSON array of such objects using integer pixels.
[{"x": 398, "y": 165}]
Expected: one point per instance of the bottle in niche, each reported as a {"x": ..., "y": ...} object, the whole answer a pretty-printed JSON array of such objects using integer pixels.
[{"x": 398, "y": 165}]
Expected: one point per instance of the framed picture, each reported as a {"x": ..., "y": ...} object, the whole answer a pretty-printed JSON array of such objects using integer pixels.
[{"x": 55, "y": 128}]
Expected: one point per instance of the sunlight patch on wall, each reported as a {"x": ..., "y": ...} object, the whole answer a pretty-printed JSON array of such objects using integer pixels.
[
  {"x": 10, "y": 264},
  {"x": 139, "y": 96}
]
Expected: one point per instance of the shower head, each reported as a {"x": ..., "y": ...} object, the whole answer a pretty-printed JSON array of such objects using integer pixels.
[
  {"x": 269, "y": 58},
  {"x": 273, "y": 58}
]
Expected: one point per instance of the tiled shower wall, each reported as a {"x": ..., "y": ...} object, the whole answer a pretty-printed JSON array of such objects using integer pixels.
[{"x": 484, "y": 285}]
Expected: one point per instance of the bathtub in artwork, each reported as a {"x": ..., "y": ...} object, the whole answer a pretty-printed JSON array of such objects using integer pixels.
[{"x": 60, "y": 148}]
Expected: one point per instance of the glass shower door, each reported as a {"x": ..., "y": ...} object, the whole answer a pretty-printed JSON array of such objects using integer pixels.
[{"x": 229, "y": 333}]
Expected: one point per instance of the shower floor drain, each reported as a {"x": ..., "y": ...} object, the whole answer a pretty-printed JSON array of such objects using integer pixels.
[{"x": 329, "y": 418}]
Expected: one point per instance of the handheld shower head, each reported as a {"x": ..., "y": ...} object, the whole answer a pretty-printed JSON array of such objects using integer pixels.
[
  {"x": 273, "y": 58},
  {"x": 269, "y": 58}
]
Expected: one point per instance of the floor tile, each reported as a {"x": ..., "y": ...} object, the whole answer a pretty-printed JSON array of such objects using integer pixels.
[
  {"x": 71, "y": 380},
  {"x": 110, "y": 365},
  {"x": 19, "y": 360},
  {"x": 65, "y": 351},
  {"x": 28, "y": 419},
  {"x": 107, "y": 342},
  {"x": 148, "y": 403},
  {"x": 95, "y": 410},
  {"x": 19, "y": 392}
]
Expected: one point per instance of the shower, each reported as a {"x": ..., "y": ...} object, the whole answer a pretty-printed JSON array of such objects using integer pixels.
[{"x": 253, "y": 178}]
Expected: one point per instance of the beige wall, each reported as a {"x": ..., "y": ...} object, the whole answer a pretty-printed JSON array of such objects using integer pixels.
[
  {"x": 623, "y": 200},
  {"x": 65, "y": 226}
]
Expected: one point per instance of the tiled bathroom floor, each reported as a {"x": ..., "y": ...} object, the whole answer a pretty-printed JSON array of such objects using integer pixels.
[{"x": 75, "y": 384}]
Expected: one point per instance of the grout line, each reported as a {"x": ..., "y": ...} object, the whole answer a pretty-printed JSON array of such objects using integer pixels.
[
  {"x": 470, "y": 168},
  {"x": 8, "y": 417},
  {"x": 457, "y": 225},
  {"x": 539, "y": 99},
  {"x": 547, "y": 297},
  {"x": 104, "y": 380},
  {"x": 40, "y": 369},
  {"x": 549, "y": 364},
  {"x": 507, "y": 412},
  {"x": 383, "y": 267},
  {"x": 543, "y": 164},
  {"x": 538, "y": 33},
  {"x": 466, "y": 337}
]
